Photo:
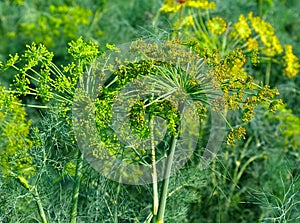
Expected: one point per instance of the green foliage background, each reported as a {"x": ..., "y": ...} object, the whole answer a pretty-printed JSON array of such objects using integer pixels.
[{"x": 255, "y": 180}]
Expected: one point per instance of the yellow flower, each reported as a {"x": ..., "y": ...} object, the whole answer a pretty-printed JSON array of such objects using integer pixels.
[
  {"x": 266, "y": 40},
  {"x": 216, "y": 25},
  {"x": 242, "y": 27},
  {"x": 186, "y": 21},
  {"x": 273, "y": 45},
  {"x": 267, "y": 36},
  {"x": 173, "y": 6},
  {"x": 170, "y": 9},
  {"x": 291, "y": 62},
  {"x": 236, "y": 134},
  {"x": 201, "y": 4},
  {"x": 276, "y": 45},
  {"x": 260, "y": 26},
  {"x": 252, "y": 44},
  {"x": 170, "y": 6}
]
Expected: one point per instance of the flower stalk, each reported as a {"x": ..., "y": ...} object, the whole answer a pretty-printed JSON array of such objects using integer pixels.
[
  {"x": 76, "y": 188},
  {"x": 165, "y": 186},
  {"x": 154, "y": 173}
]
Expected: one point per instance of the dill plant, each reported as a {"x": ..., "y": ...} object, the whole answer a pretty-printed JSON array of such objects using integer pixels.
[
  {"x": 35, "y": 77},
  {"x": 61, "y": 164},
  {"x": 233, "y": 49},
  {"x": 16, "y": 162},
  {"x": 232, "y": 63}
]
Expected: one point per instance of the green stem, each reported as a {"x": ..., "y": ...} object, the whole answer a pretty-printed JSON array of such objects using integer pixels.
[
  {"x": 76, "y": 188},
  {"x": 31, "y": 106},
  {"x": 155, "y": 19},
  {"x": 154, "y": 173},
  {"x": 170, "y": 159},
  {"x": 202, "y": 32},
  {"x": 268, "y": 72},
  {"x": 237, "y": 175},
  {"x": 34, "y": 192},
  {"x": 226, "y": 121},
  {"x": 180, "y": 23},
  {"x": 39, "y": 205},
  {"x": 164, "y": 195},
  {"x": 260, "y": 7},
  {"x": 116, "y": 201}
]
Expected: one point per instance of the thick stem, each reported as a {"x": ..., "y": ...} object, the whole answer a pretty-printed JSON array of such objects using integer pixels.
[
  {"x": 165, "y": 186},
  {"x": 268, "y": 72},
  {"x": 34, "y": 192},
  {"x": 154, "y": 173},
  {"x": 39, "y": 205},
  {"x": 76, "y": 188},
  {"x": 164, "y": 195},
  {"x": 116, "y": 201}
]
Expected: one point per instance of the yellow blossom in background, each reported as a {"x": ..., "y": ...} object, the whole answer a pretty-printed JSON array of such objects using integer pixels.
[
  {"x": 185, "y": 22},
  {"x": 170, "y": 6},
  {"x": 272, "y": 45},
  {"x": 277, "y": 47},
  {"x": 170, "y": 9},
  {"x": 201, "y": 4},
  {"x": 260, "y": 26},
  {"x": 242, "y": 28},
  {"x": 252, "y": 44},
  {"x": 216, "y": 25},
  {"x": 188, "y": 21},
  {"x": 20, "y": 2},
  {"x": 291, "y": 62},
  {"x": 173, "y": 6},
  {"x": 266, "y": 40}
]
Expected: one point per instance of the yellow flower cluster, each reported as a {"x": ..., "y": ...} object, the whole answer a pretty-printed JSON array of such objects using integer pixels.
[
  {"x": 173, "y": 6},
  {"x": 236, "y": 134},
  {"x": 252, "y": 44},
  {"x": 186, "y": 21},
  {"x": 267, "y": 36},
  {"x": 201, "y": 4},
  {"x": 216, "y": 25},
  {"x": 252, "y": 47},
  {"x": 242, "y": 28},
  {"x": 170, "y": 6},
  {"x": 291, "y": 62}
]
